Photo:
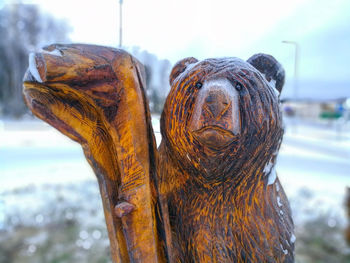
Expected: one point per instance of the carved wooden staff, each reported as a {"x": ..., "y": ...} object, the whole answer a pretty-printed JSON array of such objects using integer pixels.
[{"x": 95, "y": 96}]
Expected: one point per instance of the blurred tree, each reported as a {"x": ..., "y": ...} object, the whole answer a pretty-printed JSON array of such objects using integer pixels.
[
  {"x": 148, "y": 71},
  {"x": 23, "y": 28},
  {"x": 157, "y": 78},
  {"x": 157, "y": 102}
]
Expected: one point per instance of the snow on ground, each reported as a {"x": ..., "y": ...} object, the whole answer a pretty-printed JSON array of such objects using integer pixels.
[
  {"x": 314, "y": 161},
  {"x": 35, "y": 153},
  {"x": 314, "y": 168}
]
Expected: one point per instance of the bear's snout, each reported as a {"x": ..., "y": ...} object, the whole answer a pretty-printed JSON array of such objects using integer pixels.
[
  {"x": 216, "y": 104},
  {"x": 215, "y": 120}
]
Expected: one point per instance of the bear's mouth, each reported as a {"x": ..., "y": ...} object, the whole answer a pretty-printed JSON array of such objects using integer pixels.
[{"x": 214, "y": 136}]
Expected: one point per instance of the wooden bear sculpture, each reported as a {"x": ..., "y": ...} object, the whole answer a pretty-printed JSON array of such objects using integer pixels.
[
  {"x": 210, "y": 193},
  {"x": 221, "y": 129}
]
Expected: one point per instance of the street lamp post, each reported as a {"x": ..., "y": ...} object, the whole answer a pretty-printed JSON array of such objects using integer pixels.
[
  {"x": 295, "y": 88},
  {"x": 296, "y": 65},
  {"x": 120, "y": 23}
]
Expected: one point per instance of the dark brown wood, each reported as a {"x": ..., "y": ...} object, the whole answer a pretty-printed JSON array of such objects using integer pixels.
[
  {"x": 221, "y": 129},
  {"x": 347, "y": 205},
  {"x": 210, "y": 193}
]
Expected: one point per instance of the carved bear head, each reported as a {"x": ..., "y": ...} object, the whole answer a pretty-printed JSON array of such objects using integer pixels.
[{"x": 222, "y": 115}]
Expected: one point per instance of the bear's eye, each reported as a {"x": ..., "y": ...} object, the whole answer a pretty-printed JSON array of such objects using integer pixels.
[
  {"x": 199, "y": 84},
  {"x": 238, "y": 86}
]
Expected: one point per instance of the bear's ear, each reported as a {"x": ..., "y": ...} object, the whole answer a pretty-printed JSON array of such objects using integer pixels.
[
  {"x": 270, "y": 68},
  {"x": 180, "y": 67}
]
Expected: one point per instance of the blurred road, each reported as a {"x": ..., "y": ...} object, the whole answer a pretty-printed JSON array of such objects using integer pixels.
[{"x": 315, "y": 158}]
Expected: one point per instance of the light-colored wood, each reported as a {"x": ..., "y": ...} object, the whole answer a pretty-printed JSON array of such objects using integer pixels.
[{"x": 95, "y": 96}]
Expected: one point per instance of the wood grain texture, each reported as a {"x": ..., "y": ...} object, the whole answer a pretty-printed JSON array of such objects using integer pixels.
[
  {"x": 210, "y": 192},
  {"x": 224, "y": 202},
  {"x": 95, "y": 96}
]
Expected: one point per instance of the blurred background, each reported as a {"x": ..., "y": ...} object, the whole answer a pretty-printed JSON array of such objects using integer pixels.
[{"x": 50, "y": 209}]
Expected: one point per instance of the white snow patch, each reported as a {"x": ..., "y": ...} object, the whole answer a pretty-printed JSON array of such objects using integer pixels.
[
  {"x": 292, "y": 238},
  {"x": 33, "y": 69},
  {"x": 272, "y": 83},
  {"x": 285, "y": 251},
  {"x": 54, "y": 52},
  {"x": 279, "y": 201},
  {"x": 272, "y": 177},
  {"x": 287, "y": 242},
  {"x": 277, "y": 187},
  {"x": 268, "y": 167},
  {"x": 270, "y": 171}
]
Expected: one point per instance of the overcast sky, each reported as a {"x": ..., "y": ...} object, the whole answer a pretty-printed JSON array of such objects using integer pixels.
[{"x": 204, "y": 28}]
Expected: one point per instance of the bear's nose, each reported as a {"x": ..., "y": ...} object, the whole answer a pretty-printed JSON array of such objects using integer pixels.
[{"x": 216, "y": 103}]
